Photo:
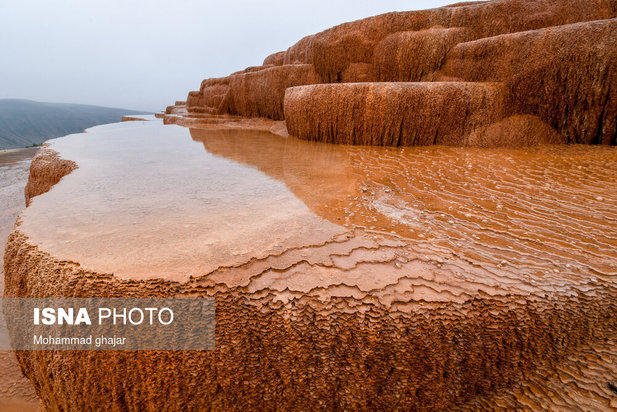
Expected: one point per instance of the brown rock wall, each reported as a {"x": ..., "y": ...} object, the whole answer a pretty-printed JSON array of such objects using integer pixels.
[
  {"x": 261, "y": 93},
  {"x": 332, "y": 50},
  {"x": 391, "y": 114},
  {"x": 556, "y": 59},
  {"x": 565, "y": 75},
  {"x": 410, "y": 56}
]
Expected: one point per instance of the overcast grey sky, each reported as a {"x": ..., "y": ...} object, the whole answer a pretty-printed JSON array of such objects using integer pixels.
[{"x": 145, "y": 54}]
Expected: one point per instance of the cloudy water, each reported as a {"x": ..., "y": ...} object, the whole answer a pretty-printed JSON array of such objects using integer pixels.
[
  {"x": 538, "y": 211},
  {"x": 150, "y": 201}
]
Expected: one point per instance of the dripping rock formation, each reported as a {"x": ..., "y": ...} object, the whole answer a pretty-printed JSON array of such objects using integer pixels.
[{"x": 555, "y": 61}]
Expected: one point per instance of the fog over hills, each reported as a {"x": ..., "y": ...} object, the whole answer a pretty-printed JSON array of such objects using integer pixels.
[{"x": 25, "y": 122}]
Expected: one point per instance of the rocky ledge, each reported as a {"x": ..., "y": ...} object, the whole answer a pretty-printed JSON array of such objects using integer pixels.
[
  {"x": 349, "y": 276},
  {"x": 553, "y": 62},
  {"x": 344, "y": 276}
]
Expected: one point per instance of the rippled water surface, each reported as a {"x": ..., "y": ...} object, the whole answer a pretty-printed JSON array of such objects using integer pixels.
[
  {"x": 162, "y": 201},
  {"x": 546, "y": 209}
]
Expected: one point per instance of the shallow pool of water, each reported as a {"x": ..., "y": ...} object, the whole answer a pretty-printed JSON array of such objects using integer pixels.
[{"x": 153, "y": 201}]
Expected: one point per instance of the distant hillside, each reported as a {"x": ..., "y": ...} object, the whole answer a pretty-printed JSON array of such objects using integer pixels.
[{"x": 25, "y": 122}]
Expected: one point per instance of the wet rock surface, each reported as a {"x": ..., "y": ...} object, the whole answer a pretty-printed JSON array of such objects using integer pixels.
[
  {"x": 571, "y": 90},
  {"x": 554, "y": 59},
  {"x": 584, "y": 380},
  {"x": 392, "y": 114},
  {"x": 16, "y": 392},
  {"x": 355, "y": 277},
  {"x": 428, "y": 277},
  {"x": 46, "y": 170}
]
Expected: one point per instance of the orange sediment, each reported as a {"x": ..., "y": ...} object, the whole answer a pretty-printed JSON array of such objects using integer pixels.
[{"x": 428, "y": 277}]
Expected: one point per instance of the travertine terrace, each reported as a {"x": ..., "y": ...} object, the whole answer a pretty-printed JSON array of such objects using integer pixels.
[
  {"x": 427, "y": 276},
  {"x": 554, "y": 60},
  {"x": 344, "y": 276}
]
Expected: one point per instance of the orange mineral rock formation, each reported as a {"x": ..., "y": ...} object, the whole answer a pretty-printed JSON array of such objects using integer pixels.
[
  {"x": 260, "y": 93},
  {"x": 46, "y": 170},
  {"x": 565, "y": 75},
  {"x": 391, "y": 114},
  {"x": 345, "y": 277},
  {"x": 352, "y": 277},
  {"x": 556, "y": 59},
  {"x": 410, "y": 56}
]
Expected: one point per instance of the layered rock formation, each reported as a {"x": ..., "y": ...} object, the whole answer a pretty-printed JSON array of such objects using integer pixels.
[
  {"x": 565, "y": 75},
  {"x": 179, "y": 107},
  {"x": 46, "y": 170},
  {"x": 555, "y": 58},
  {"x": 392, "y": 114},
  {"x": 351, "y": 277},
  {"x": 405, "y": 278}
]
